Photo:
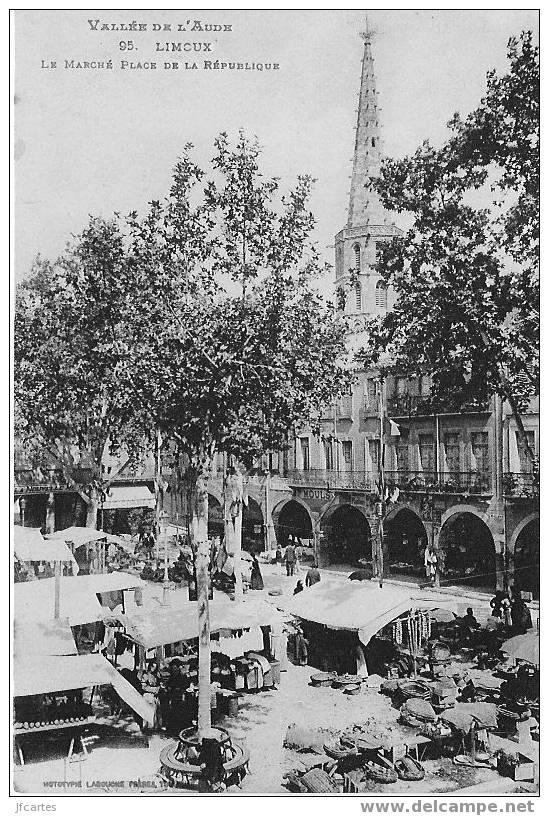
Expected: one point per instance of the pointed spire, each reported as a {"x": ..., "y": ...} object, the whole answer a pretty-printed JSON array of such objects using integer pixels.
[{"x": 364, "y": 205}]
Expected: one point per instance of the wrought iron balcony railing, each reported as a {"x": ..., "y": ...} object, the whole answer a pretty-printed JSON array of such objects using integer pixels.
[
  {"x": 406, "y": 405},
  {"x": 332, "y": 479},
  {"x": 521, "y": 485},
  {"x": 420, "y": 481}
]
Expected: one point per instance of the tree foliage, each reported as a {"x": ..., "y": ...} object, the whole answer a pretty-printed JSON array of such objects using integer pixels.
[
  {"x": 230, "y": 345},
  {"x": 69, "y": 396},
  {"x": 465, "y": 275}
]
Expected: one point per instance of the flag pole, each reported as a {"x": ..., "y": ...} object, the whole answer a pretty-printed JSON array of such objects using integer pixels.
[{"x": 381, "y": 475}]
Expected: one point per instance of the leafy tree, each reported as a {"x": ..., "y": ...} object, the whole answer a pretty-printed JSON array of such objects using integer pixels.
[
  {"x": 230, "y": 345},
  {"x": 466, "y": 276},
  {"x": 69, "y": 397}
]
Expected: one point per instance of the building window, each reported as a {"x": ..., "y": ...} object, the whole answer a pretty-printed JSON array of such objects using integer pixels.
[
  {"x": 347, "y": 452},
  {"x": 427, "y": 452},
  {"x": 525, "y": 461},
  {"x": 328, "y": 454},
  {"x": 358, "y": 295},
  {"x": 371, "y": 392},
  {"x": 373, "y": 141},
  {"x": 479, "y": 450},
  {"x": 373, "y": 450},
  {"x": 381, "y": 294},
  {"x": 357, "y": 258},
  {"x": 451, "y": 452},
  {"x": 402, "y": 455},
  {"x": 305, "y": 460}
]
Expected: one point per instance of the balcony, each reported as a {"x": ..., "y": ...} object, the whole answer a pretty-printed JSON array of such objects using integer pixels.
[
  {"x": 420, "y": 481},
  {"x": 370, "y": 407},
  {"x": 521, "y": 485},
  {"x": 332, "y": 479},
  {"x": 408, "y": 405}
]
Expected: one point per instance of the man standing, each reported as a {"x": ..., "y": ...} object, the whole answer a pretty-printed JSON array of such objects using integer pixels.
[
  {"x": 313, "y": 575},
  {"x": 289, "y": 558}
]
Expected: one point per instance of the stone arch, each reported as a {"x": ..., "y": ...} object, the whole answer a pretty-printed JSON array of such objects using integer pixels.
[
  {"x": 519, "y": 528},
  {"x": 406, "y": 539},
  {"x": 291, "y": 516},
  {"x": 526, "y": 560},
  {"x": 456, "y": 509},
  {"x": 466, "y": 548},
  {"x": 346, "y": 535}
]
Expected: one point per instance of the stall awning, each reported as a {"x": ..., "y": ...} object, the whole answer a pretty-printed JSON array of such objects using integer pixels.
[
  {"x": 358, "y": 606},
  {"x": 160, "y": 627},
  {"x": 30, "y": 545},
  {"x": 34, "y": 600},
  {"x": 47, "y": 637},
  {"x": 124, "y": 498},
  {"x": 77, "y": 535},
  {"x": 49, "y": 674}
]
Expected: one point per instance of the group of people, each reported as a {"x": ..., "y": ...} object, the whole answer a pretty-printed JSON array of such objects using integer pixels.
[{"x": 511, "y": 610}]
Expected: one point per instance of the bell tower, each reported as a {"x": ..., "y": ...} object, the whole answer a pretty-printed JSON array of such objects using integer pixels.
[{"x": 367, "y": 222}]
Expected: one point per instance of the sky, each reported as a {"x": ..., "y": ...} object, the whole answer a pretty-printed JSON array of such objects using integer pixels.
[{"x": 98, "y": 141}]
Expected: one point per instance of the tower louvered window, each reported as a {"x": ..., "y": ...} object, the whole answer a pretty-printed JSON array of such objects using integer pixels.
[
  {"x": 357, "y": 258},
  {"x": 358, "y": 294},
  {"x": 381, "y": 295}
]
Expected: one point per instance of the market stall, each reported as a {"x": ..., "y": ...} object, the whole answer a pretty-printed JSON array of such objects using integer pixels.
[
  {"x": 88, "y": 546},
  {"x": 50, "y": 694},
  {"x": 39, "y": 556},
  {"x": 341, "y": 622},
  {"x": 165, "y": 655}
]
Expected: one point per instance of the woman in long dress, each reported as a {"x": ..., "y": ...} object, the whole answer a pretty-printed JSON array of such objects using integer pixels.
[{"x": 256, "y": 579}]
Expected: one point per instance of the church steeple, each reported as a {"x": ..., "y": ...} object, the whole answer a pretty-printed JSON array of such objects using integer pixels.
[
  {"x": 364, "y": 205},
  {"x": 368, "y": 224}
]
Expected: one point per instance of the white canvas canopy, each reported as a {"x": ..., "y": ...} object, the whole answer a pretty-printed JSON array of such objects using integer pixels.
[
  {"x": 126, "y": 497},
  {"x": 160, "y": 627},
  {"x": 359, "y": 606},
  {"x": 34, "y": 600},
  {"x": 77, "y": 535},
  {"x": 48, "y": 637},
  {"x": 30, "y": 545},
  {"x": 48, "y": 674}
]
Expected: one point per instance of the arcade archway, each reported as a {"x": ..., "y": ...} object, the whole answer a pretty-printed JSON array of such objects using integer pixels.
[
  {"x": 406, "y": 541},
  {"x": 347, "y": 536},
  {"x": 526, "y": 569},
  {"x": 466, "y": 551},
  {"x": 252, "y": 523},
  {"x": 292, "y": 520},
  {"x": 253, "y": 533}
]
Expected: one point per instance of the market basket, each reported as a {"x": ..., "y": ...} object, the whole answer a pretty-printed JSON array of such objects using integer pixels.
[
  {"x": 412, "y": 688},
  {"x": 337, "y": 749},
  {"x": 342, "y": 680},
  {"x": 378, "y": 773},
  {"x": 409, "y": 769},
  {"x": 323, "y": 679}
]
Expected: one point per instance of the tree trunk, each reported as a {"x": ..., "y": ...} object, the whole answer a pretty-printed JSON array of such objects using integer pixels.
[
  {"x": 91, "y": 510},
  {"x": 232, "y": 513},
  {"x": 199, "y": 499}
]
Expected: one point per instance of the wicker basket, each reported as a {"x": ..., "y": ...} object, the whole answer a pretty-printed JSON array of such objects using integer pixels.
[
  {"x": 323, "y": 679},
  {"x": 378, "y": 773},
  {"x": 409, "y": 769}
]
